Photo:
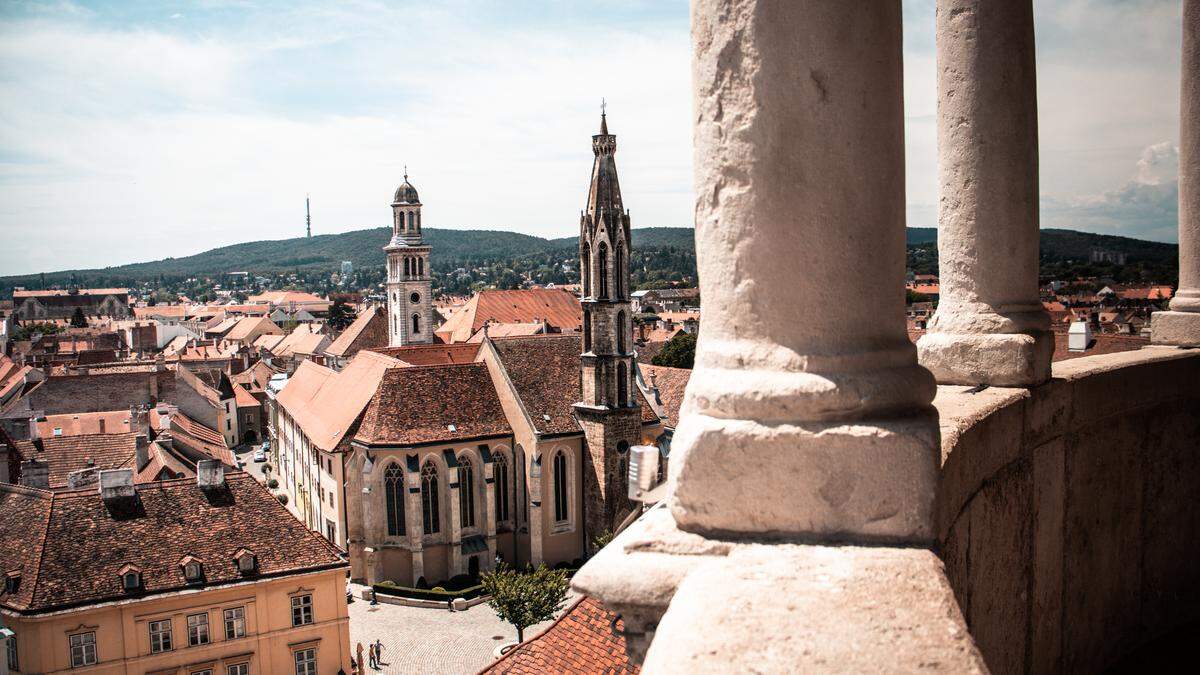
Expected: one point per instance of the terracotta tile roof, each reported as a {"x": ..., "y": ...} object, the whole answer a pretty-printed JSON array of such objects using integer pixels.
[
  {"x": 670, "y": 383},
  {"x": 368, "y": 330},
  {"x": 544, "y": 370},
  {"x": 556, "y": 307},
  {"x": 165, "y": 311},
  {"x": 244, "y": 398},
  {"x": 115, "y": 422},
  {"x": 194, "y": 436},
  {"x": 433, "y": 404},
  {"x": 71, "y": 546},
  {"x": 580, "y": 641},
  {"x": 499, "y": 330},
  {"x": 326, "y": 404},
  {"x": 1102, "y": 344},
  {"x": 247, "y": 325},
  {"x": 432, "y": 355},
  {"x": 65, "y": 454},
  {"x": 223, "y": 327}
]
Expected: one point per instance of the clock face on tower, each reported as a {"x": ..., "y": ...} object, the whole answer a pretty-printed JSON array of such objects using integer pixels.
[{"x": 414, "y": 298}]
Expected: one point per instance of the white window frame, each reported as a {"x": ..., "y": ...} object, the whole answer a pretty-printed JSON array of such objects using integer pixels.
[
  {"x": 161, "y": 639},
  {"x": 198, "y": 632},
  {"x": 235, "y": 627},
  {"x": 306, "y": 661},
  {"x": 85, "y": 643},
  {"x": 302, "y": 608},
  {"x": 238, "y": 668}
]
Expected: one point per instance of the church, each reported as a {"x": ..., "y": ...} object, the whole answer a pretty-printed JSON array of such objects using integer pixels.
[{"x": 511, "y": 448}]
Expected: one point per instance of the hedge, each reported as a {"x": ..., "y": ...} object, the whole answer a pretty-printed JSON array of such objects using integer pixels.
[{"x": 388, "y": 588}]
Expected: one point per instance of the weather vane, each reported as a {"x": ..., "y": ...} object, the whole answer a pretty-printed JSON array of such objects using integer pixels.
[
  {"x": 603, "y": 106},
  {"x": 405, "y": 172}
]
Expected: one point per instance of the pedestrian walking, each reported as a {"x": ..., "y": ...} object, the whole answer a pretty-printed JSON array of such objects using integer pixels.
[
  {"x": 372, "y": 661},
  {"x": 378, "y": 653}
]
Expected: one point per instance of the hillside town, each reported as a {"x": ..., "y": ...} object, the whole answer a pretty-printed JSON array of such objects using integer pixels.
[
  {"x": 384, "y": 441},
  {"x": 804, "y": 437}
]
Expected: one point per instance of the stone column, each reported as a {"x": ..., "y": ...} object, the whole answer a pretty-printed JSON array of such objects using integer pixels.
[
  {"x": 990, "y": 326},
  {"x": 454, "y": 537},
  {"x": 807, "y": 414},
  {"x": 414, "y": 522},
  {"x": 1181, "y": 325}
]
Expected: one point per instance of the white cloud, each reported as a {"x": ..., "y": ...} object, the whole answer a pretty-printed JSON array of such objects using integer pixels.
[{"x": 1146, "y": 207}]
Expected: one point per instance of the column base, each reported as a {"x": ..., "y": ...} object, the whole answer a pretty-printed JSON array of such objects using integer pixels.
[
  {"x": 998, "y": 359},
  {"x": 1175, "y": 328},
  {"x": 864, "y": 481}
]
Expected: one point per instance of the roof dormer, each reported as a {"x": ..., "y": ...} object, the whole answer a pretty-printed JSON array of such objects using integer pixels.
[
  {"x": 131, "y": 578},
  {"x": 246, "y": 561},
  {"x": 192, "y": 568}
]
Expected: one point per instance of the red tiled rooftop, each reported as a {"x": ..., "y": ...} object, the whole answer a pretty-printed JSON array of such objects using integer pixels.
[
  {"x": 430, "y": 355},
  {"x": 70, "y": 546},
  {"x": 433, "y": 404},
  {"x": 585, "y": 639}
]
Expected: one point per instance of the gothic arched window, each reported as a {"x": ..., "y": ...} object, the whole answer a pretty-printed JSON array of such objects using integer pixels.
[
  {"x": 500, "y": 474},
  {"x": 466, "y": 492},
  {"x": 411, "y": 220},
  {"x": 406, "y": 267},
  {"x": 420, "y": 267},
  {"x": 619, "y": 271},
  {"x": 560, "y": 486},
  {"x": 429, "y": 499},
  {"x": 621, "y": 332},
  {"x": 622, "y": 385},
  {"x": 416, "y": 324},
  {"x": 603, "y": 271},
  {"x": 587, "y": 331},
  {"x": 393, "y": 487},
  {"x": 585, "y": 271}
]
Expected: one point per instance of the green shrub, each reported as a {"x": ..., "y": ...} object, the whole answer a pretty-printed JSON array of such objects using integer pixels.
[
  {"x": 438, "y": 594},
  {"x": 282, "y": 497},
  {"x": 272, "y": 483}
]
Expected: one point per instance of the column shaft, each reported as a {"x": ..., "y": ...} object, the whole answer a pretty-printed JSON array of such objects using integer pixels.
[
  {"x": 990, "y": 326},
  {"x": 799, "y": 160},
  {"x": 1181, "y": 325}
]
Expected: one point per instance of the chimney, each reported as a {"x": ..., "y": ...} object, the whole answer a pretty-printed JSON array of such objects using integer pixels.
[
  {"x": 80, "y": 478},
  {"x": 143, "y": 451},
  {"x": 210, "y": 473},
  {"x": 116, "y": 485},
  {"x": 102, "y": 426},
  {"x": 35, "y": 473}
]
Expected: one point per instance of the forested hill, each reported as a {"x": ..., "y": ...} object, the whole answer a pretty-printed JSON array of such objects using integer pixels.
[{"x": 461, "y": 258}]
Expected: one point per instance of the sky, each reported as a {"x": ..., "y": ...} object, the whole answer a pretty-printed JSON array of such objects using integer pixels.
[{"x": 134, "y": 131}]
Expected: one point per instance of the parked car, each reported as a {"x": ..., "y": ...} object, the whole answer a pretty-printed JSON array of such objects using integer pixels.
[
  {"x": 260, "y": 456},
  {"x": 266, "y": 445}
]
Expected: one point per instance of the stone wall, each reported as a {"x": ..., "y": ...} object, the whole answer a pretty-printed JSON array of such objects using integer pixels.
[
  {"x": 98, "y": 393},
  {"x": 1067, "y": 514},
  {"x": 605, "y": 492}
]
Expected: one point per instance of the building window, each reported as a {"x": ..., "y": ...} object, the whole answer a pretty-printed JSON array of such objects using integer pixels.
[
  {"x": 192, "y": 571},
  {"x": 206, "y": 671},
  {"x": 160, "y": 636},
  {"x": 617, "y": 265},
  {"x": 83, "y": 649},
  {"x": 235, "y": 623},
  {"x": 306, "y": 662},
  {"x": 603, "y": 271},
  {"x": 420, "y": 267},
  {"x": 560, "y": 486},
  {"x": 414, "y": 298},
  {"x": 587, "y": 331},
  {"x": 466, "y": 492},
  {"x": 238, "y": 669},
  {"x": 621, "y": 328},
  {"x": 131, "y": 581},
  {"x": 302, "y": 610},
  {"x": 393, "y": 488},
  {"x": 197, "y": 625},
  {"x": 500, "y": 473},
  {"x": 407, "y": 267},
  {"x": 622, "y": 385},
  {"x": 14, "y": 663},
  {"x": 429, "y": 499},
  {"x": 416, "y": 324},
  {"x": 585, "y": 271}
]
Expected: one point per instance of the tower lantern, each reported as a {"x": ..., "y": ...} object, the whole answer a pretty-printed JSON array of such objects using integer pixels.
[{"x": 410, "y": 307}]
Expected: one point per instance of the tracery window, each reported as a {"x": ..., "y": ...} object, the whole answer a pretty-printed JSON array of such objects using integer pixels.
[
  {"x": 466, "y": 492},
  {"x": 503, "y": 497},
  {"x": 603, "y": 271},
  {"x": 560, "y": 486},
  {"x": 429, "y": 499},
  {"x": 622, "y": 385},
  {"x": 393, "y": 480}
]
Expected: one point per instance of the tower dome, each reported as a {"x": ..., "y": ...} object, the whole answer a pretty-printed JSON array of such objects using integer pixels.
[{"x": 406, "y": 193}]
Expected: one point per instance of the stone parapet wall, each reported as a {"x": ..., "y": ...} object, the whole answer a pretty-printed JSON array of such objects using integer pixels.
[{"x": 1068, "y": 515}]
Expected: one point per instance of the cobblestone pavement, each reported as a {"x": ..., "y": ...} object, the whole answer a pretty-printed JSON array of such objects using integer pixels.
[{"x": 420, "y": 640}]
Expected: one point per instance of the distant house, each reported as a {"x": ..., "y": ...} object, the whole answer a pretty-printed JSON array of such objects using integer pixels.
[
  {"x": 369, "y": 330},
  {"x": 558, "y": 309}
]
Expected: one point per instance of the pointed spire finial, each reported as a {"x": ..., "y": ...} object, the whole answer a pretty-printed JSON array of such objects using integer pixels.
[
  {"x": 405, "y": 173},
  {"x": 603, "y": 116}
]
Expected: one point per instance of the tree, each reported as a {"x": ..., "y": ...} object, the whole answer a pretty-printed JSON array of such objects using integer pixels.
[
  {"x": 341, "y": 315},
  {"x": 525, "y": 598},
  {"x": 680, "y": 352},
  {"x": 78, "y": 320}
]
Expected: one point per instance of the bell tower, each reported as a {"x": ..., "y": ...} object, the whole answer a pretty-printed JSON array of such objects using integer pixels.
[
  {"x": 409, "y": 285},
  {"x": 610, "y": 411}
]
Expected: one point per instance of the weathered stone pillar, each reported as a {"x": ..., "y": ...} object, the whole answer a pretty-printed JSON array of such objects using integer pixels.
[
  {"x": 1181, "y": 325},
  {"x": 414, "y": 521},
  {"x": 807, "y": 414},
  {"x": 454, "y": 558},
  {"x": 990, "y": 326}
]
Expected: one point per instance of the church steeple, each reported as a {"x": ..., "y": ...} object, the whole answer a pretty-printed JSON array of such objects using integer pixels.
[
  {"x": 410, "y": 308},
  {"x": 610, "y": 411}
]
